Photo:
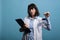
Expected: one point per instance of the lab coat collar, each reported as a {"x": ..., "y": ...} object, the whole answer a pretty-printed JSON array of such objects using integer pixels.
[{"x": 33, "y": 18}]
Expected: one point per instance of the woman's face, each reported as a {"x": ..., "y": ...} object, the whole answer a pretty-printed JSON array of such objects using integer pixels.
[{"x": 33, "y": 11}]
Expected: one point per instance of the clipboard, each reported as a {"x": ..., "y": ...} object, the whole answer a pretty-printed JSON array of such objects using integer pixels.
[{"x": 23, "y": 28}]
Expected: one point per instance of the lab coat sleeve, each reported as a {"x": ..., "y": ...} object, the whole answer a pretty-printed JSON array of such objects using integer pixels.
[{"x": 46, "y": 23}]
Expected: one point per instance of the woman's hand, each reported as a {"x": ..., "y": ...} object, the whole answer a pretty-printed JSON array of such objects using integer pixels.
[
  {"x": 47, "y": 14},
  {"x": 26, "y": 25}
]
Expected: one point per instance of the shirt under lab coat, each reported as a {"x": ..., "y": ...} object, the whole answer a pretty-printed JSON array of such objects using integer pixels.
[{"x": 35, "y": 25}]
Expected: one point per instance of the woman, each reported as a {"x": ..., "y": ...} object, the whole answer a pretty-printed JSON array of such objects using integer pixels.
[{"x": 35, "y": 23}]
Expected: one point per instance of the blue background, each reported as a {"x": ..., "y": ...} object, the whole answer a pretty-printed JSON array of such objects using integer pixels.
[{"x": 12, "y": 9}]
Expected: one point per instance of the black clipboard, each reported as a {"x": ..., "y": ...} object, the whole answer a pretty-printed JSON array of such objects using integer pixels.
[{"x": 23, "y": 28}]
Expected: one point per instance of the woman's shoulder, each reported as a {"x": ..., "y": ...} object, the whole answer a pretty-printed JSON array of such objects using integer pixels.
[{"x": 40, "y": 18}]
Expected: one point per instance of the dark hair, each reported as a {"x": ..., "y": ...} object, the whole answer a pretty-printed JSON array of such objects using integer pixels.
[{"x": 31, "y": 6}]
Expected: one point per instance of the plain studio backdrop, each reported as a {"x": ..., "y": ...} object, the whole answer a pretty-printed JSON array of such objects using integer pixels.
[{"x": 13, "y": 9}]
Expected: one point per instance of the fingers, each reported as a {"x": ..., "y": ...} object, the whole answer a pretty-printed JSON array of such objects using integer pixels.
[
  {"x": 47, "y": 14},
  {"x": 26, "y": 25}
]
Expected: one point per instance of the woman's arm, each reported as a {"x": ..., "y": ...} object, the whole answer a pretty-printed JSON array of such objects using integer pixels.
[{"x": 46, "y": 22}]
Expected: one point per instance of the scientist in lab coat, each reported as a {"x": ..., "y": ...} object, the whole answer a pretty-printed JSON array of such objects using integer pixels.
[{"x": 35, "y": 23}]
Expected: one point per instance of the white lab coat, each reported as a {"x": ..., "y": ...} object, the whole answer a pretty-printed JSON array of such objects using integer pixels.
[{"x": 37, "y": 26}]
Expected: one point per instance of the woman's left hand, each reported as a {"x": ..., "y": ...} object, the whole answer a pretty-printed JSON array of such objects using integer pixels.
[{"x": 47, "y": 14}]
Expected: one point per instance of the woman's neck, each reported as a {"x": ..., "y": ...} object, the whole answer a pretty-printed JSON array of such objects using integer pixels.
[{"x": 33, "y": 16}]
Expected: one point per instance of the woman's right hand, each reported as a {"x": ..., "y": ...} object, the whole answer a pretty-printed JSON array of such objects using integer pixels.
[{"x": 26, "y": 25}]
